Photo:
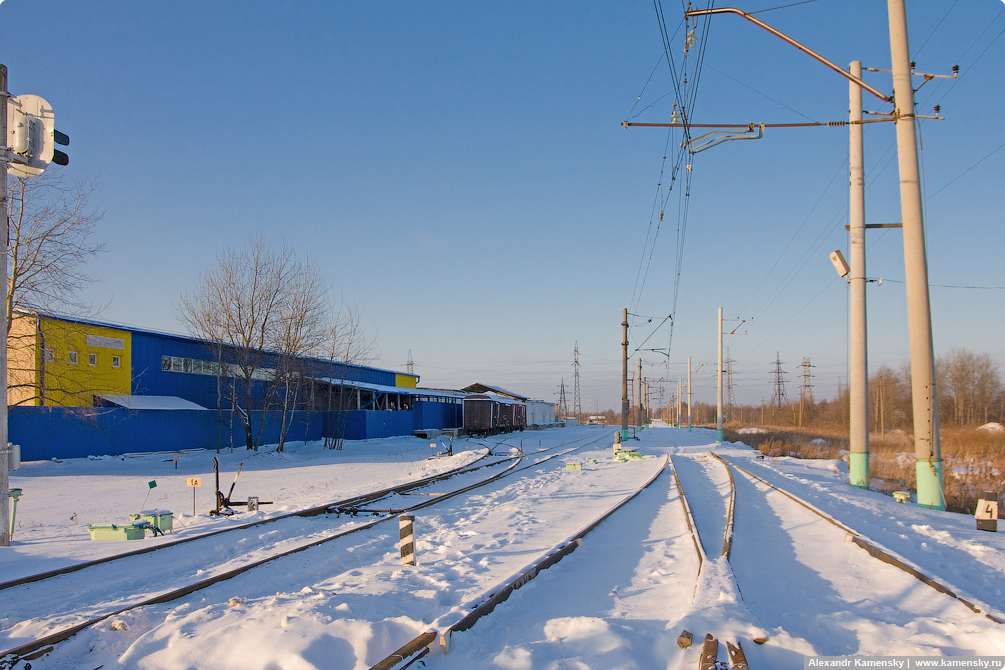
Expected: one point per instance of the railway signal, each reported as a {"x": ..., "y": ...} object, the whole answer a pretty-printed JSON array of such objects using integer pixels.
[
  {"x": 31, "y": 137},
  {"x": 27, "y": 126}
]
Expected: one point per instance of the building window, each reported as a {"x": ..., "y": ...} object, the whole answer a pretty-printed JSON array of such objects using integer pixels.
[
  {"x": 115, "y": 361},
  {"x": 73, "y": 358},
  {"x": 92, "y": 359},
  {"x": 50, "y": 355}
]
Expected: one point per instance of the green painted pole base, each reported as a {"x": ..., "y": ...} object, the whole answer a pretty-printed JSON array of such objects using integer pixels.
[
  {"x": 718, "y": 436},
  {"x": 858, "y": 469},
  {"x": 929, "y": 474}
]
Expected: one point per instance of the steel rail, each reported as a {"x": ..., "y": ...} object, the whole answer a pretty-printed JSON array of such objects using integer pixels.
[
  {"x": 327, "y": 508},
  {"x": 439, "y": 496},
  {"x": 727, "y": 541},
  {"x": 550, "y": 559},
  {"x": 699, "y": 546},
  {"x": 23, "y": 651},
  {"x": 55, "y": 638},
  {"x": 308, "y": 512},
  {"x": 873, "y": 550}
]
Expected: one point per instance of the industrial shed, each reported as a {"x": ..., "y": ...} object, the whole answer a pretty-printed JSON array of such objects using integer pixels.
[{"x": 80, "y": 387}]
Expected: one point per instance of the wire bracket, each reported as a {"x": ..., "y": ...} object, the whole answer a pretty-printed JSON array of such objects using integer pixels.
[{"x": 717, "y": 137}]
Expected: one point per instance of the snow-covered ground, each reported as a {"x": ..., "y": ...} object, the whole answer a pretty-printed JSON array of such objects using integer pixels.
[{"x": 620, "y": 601}]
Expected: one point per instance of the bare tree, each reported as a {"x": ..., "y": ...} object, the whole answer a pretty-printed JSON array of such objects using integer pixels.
[
  {"x": 969, "y": 385},
  {"x": 301, "y": 331},
  {"x": 49, "y": 244},
  {"x": 260, "y": 306},
  {"x": 50, "y": 228},
  {"x": 349, "y": 343}
]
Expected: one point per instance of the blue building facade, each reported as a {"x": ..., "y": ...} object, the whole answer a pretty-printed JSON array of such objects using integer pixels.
[{"x": 186, "y": 393}]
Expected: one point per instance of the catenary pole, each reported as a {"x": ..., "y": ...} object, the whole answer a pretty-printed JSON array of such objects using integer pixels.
[
  {"x": 639, "y": 406},
  {"x": 689, "y": 394},
  {"x": 680, "y": 400},
  {"x": 718, "y": 372},
  {"x": 927, "y": 449},
  {"x": 858, "y": 360},
  {"x": 624, "y": 374},
  {"x": 4, "y": 497}
]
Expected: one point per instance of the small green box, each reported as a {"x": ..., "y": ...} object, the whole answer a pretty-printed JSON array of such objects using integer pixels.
[
  {"x": 115, "y": 533},
  {"x": 573, "y": 467},
  {"x": 161, "y": 519}
]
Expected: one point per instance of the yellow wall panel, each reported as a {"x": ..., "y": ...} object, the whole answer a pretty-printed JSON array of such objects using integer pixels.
[
  {"x": 80, "y": 360},
  {"x": 406, "y": 381}
]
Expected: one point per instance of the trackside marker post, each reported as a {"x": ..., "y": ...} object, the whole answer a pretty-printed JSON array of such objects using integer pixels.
[
  {"x": 987, "y": 512},
  {"x": 406, "y": 532},
  {"x": 193, "y": 483}
]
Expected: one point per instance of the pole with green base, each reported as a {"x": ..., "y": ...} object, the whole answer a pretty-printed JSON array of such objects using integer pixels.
[
  {"x": 718, "y": 420},
  {"x": 15, "y": 495},
  {"x": 929, "y": 476},
  {"x": 927, "y": 449},
  {"x": 858, "y": 469}
]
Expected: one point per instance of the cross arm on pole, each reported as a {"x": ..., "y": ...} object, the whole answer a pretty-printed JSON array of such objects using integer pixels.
[{"x": 802, "y": 47}]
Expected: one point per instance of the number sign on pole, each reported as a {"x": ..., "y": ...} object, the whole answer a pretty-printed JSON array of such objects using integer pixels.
[{"x": 193, "y": 483}]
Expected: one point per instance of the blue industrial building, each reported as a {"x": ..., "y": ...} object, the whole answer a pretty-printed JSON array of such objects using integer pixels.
[{"x": 181, "y": 392}]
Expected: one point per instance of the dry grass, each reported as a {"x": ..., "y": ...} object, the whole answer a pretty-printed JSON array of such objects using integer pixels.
[{"x": 973, "y": 461}]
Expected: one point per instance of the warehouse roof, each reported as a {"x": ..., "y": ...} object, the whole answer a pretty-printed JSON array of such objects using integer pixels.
[
  {"x": 149, "y": 401},
  {"x": 397, "y": 390},
  {"x": 483, "y": 388}
]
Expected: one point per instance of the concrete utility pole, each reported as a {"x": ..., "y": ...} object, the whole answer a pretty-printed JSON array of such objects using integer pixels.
[
  {"x": 858, "y": 463},
  {"x": 689, "y": 394},
  {"x": 624, "y": 374},
  {"x": 718, "y": 372},
  {"x": 645, "y": 401},
  {"x": 927, "y": 449},
  {"x": 639, "y": 406},
  {"x": 4, "y": 484},
  {"x": 680, "y": 401}
]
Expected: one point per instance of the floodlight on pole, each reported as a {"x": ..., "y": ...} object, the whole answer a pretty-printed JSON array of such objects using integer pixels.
[{"x": 840, "y": 264}]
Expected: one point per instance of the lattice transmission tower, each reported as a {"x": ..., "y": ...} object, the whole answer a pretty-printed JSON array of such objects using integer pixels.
[
  {"x": 577, "y": 404},
  {"x": 563, "y": 404},
  {"x": 778, "y": 399},
  {"x": 806, "y": 390},
  {"x": 410, "y": 365},
  {"x": 727, "y": 371}
]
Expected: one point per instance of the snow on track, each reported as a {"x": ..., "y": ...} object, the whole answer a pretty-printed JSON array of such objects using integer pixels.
[
  {"x": 706, "y": 485},
  {"x": 823, "y": 595},
  {"x": 61, "y": 498},
  {"x": 356, "y": 603},
  {"x": 944, "y": 545},
  {"x": 603, "y": 606}
]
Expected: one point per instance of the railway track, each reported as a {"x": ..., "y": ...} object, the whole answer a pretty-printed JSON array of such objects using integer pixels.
[
  {"x": 312, "y": 528},
  {"x": 775, "y": 543},
  {"x": 769, "y": 576},
  {"x": 721, "y": 594}
]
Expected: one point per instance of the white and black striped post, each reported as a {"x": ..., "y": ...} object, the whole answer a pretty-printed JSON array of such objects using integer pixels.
[{"x": 406, "y": 528}]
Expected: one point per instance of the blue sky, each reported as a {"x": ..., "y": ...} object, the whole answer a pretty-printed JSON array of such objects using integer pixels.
[{"x": 460, "y": 171}]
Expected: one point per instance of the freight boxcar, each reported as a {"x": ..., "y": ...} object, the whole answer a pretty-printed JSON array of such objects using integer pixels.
[{"x": 488, "y": 414}]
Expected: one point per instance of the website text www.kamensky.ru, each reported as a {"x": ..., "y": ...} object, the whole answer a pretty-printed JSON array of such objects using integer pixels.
[{"x": 904, "y": 662}]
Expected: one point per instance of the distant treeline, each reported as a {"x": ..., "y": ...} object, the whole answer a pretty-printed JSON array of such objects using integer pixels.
[{"x": 969, "y": 388}]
